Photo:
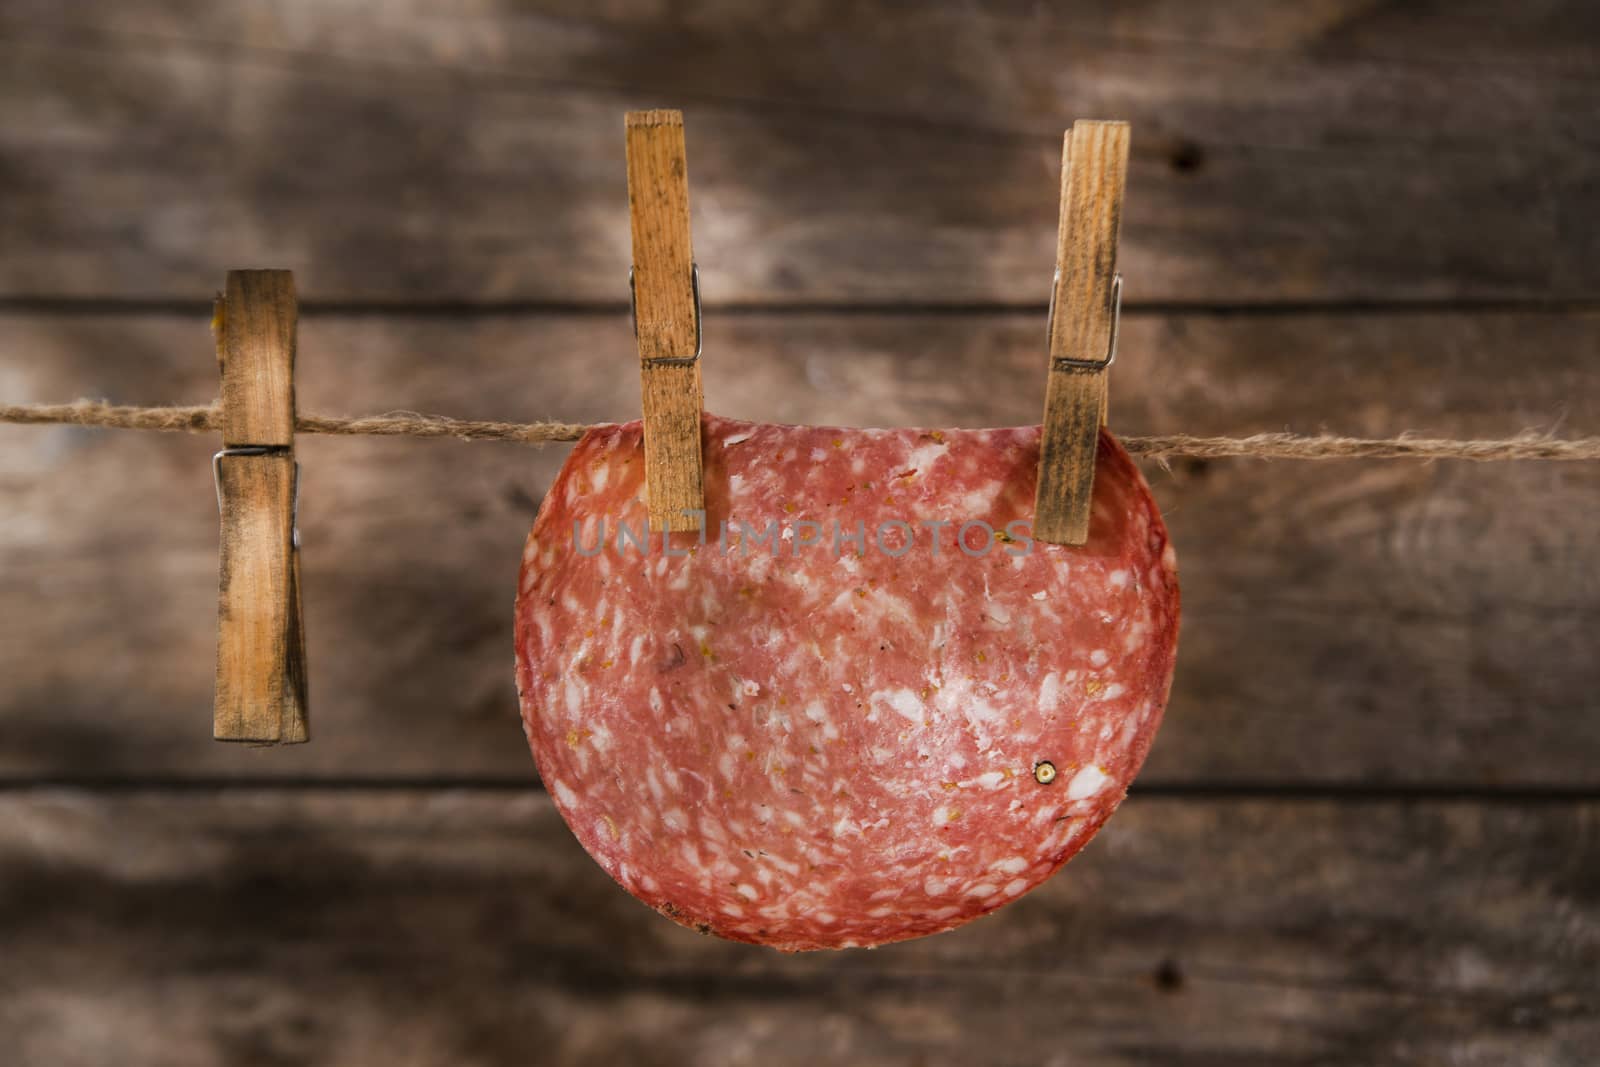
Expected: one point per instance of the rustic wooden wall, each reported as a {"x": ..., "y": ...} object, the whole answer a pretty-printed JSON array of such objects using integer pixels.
[{"x": 1369, "y": 831}]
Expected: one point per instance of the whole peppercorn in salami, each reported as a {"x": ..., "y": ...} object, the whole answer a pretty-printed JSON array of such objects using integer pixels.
[{"x": 863, "y": 704}]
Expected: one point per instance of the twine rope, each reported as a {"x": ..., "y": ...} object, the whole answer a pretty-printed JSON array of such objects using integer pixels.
[{"x": 203, "y": 418}]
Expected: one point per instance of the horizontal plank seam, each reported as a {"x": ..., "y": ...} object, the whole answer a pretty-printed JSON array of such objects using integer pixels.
[
  {"x": 700, "y": 983},
  {"x": 1242, "y": 791},
  {"x": 570, "y": 972}
]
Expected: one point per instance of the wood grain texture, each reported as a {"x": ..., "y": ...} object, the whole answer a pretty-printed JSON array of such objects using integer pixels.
[
  {"x": 1354, "y": 622},
  {"x": 258, "y": 320},
  {"x": 1360, "y": 630},
  {"x": 1094, "y": 168},
  {"x": 1321, "y": 152},
  {"x": 666, "y": 318},
  {"x": 469, "y": 928},
  {"x": 261, "y": 671},
  {"x": 261, "y": 678}
]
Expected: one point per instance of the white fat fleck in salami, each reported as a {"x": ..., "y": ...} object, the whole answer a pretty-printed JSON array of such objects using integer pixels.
[{"x": 782, "y": 737}]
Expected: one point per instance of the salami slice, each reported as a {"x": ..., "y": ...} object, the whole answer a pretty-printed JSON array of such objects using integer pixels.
[{"x": 863, "y": 705}]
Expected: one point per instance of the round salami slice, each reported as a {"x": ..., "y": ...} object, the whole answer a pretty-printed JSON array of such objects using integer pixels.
[{"x": 864, "y": 704}]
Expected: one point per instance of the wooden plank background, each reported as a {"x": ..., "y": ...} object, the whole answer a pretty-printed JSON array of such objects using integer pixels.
[
  {"x": 465, "y": 927},
  {"x": 1367, "y": 832}
]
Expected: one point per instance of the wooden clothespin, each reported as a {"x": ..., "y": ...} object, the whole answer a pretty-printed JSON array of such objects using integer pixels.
[
  {"x": 666, "y": 318},
  {"x": 261, "y": 652},
  {"x": 1085, "y": 304}
]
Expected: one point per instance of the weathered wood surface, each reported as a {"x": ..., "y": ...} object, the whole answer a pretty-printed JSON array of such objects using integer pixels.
[
  {"x": 666, "y": 318},
  {"x": 1397, "y": 625},
  {"x": 261, "y": 648},
  {"x": 1084, "y": 306},
  {"x": 411, "y": 150},
  {"x": 261, "y": 676},
  {"x": 1349, "y": 622},
  {"x": 468, "y": 928}
]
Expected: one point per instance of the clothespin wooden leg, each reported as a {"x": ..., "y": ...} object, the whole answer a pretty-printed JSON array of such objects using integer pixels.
[
  {"x": 666, "y": 318},
  {"x": 261, "y": 675},
  {"x": 1084, "y": 307}
]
